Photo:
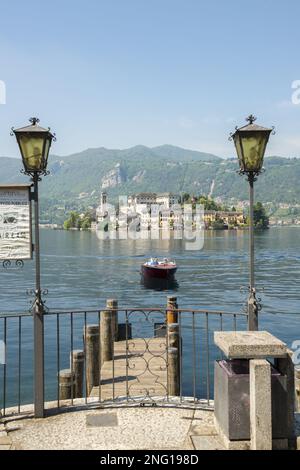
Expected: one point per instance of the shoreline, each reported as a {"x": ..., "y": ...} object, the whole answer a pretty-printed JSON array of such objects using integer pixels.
[{"x": 240, "y": 229}]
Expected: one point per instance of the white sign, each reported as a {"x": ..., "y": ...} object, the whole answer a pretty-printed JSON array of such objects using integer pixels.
[{"x": 15, "y": 223}]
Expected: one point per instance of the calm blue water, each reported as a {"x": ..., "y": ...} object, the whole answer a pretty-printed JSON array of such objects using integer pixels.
[{"x": 81, "y": 272}]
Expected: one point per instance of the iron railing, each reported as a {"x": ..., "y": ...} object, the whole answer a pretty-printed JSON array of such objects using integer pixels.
[{"x": 123, "y": 380}]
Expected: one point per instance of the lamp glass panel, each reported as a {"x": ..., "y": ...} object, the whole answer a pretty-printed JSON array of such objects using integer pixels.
[
  {"x": 253, "y": 147},
  {"x": 239, "y": 151},
  {"x": 46, "y": 151},
  {"x": 32, "y": 152}
]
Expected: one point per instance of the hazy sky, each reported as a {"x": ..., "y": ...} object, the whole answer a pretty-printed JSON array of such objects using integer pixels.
[{"x": 118, "y": 73}]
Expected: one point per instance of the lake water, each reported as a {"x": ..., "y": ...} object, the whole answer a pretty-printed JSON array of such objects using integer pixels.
[{"x": 81, "y": 272}]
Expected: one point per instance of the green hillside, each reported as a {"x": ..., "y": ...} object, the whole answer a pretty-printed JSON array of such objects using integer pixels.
[{"x": 77, "y": 180}]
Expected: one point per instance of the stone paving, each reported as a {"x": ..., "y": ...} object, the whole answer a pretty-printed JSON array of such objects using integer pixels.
[
  {"x": 121, "y": 428},
  {"x": 129, "y": 428}
]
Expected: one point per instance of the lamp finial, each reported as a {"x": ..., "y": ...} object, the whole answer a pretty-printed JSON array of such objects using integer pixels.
[
  {"x": 34, "y": 121},
  {"x": 251, "y": 119}
]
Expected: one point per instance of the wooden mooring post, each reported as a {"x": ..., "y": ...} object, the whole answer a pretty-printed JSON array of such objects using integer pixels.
[
  {"x": 107, "y": 332},
  {"x": 173, "y": 372},
  {"x": 173, "y": 335},
  {"x": 92, "y": 353},
  {"x": 77, "y": 364},
  {"x": 113, "y": 305},
  {"x": 66, "y": 384},
  {"x": 172, "y": 315},
  {"x": 174, "y": 347}
]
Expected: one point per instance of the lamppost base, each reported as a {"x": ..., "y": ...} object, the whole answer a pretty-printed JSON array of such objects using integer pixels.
[{"x": 252, "y": 307}]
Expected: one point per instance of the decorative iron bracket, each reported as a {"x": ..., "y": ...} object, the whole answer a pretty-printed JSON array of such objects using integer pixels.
[
  {"x": 37, "y": 299},
  {"x": 252, "y": 294}
]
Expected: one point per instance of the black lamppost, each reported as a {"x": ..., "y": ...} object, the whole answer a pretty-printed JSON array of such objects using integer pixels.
[
  {"x": 34, "y": 143},
  {"x": 250, "y": 142}
]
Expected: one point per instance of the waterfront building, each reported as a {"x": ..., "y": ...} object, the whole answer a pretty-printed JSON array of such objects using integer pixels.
[
  {"x": 101, "y": 211},
  {"x": 147, "y": 199},
  {"x": 234, "y": 218},
  {"x": 162, "y": 199},
  {"x": 167, "y": 199}
]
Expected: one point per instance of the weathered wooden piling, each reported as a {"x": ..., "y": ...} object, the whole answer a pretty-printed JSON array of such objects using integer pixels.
[
  {"x": 66, "y": 384},
  {"x": 113, "y": 305},
  {"x": 77, "y": 364},
  {"x": 92, "y": 350},
  {"x": 173, "y": 372},
  {"x": 173, "y": 335},
  {"x": 106, "y": 335},
  {"x": 174, "y": 342},
  {"x": 172, "y": 315}
]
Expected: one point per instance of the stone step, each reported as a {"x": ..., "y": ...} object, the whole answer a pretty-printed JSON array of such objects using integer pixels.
[{"x": 207, "y": 443}]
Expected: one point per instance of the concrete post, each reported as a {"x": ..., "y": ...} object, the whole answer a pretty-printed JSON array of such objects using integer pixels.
[
  {"x": 297, "y": 389},
  {"x": 173, "y": 372},
  {"x": 77, "y": 363},
  {"x": 106, "y": 336},
  {"x": 172, "y": 316},
  {"x": 113, "y": 304},
  {"x": 260, "y": 405},
  {"x": 66, "y": 382},
  {"x": 286, "y": 367},
  {"x": 92, "y": 365}
]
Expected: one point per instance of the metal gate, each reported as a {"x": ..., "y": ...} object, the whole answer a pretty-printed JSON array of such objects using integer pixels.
[{"x": 154, "y": 360}]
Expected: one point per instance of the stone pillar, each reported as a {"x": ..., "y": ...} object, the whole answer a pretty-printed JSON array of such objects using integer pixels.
[
  {"x": 260, "y": 405},
  {"x": 172, "y": 316},
  {"x": 106, "y": 336},
  {"x": 66, "y": 384},
  {"x": 92, "y": 365},
  {"x": 173, "y": 372},
  {"x": 113, "y": 304},
  {"x": 286, "y": 367},
  {"x": 77, "y": 363},
  {"x": 297, "y": 389}
]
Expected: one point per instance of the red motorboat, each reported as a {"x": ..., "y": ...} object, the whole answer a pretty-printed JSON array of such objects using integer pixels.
[{"x": 159, "y": 269}]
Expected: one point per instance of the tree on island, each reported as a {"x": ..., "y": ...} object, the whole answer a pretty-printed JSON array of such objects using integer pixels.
[
  {"x": 77, "y": 221},
  {"x": 73, "y": 221},
  {"x": 209, "y": 204},
  {"x": 185, "y": 197},
  {"x": 261, "y": 220}
]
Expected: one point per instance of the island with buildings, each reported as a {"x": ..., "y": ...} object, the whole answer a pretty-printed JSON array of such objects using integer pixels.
[{"x": 166, "y": 209}]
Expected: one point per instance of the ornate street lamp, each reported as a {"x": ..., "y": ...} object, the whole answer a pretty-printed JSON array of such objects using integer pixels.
[
  {"x": 250, "y": 142},
  {"x": 34, "y": 143}
]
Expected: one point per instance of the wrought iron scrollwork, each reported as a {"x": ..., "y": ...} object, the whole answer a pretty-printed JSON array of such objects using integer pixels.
[
  {"x": 37, "y": 175},
  {"x": 146, "y": 358},
  {"x": 257, "y": 299},
  {"x": 17, "y": 264},
  {"x": 37, "y": 300},
  {"x": 250, "y": 176}
]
